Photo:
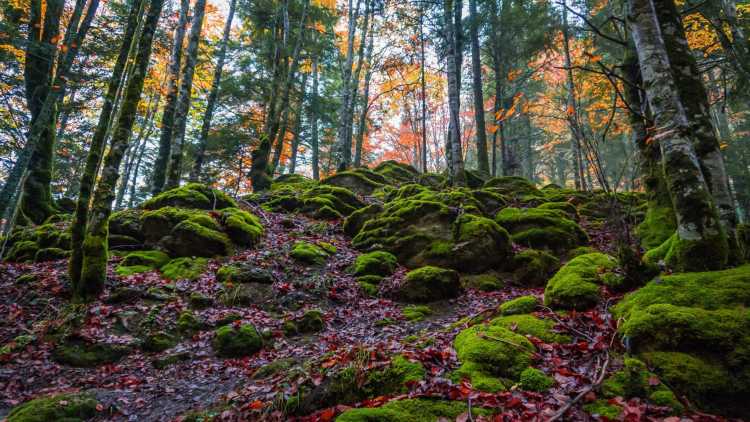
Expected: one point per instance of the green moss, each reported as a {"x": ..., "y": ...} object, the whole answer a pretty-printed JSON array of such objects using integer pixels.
[
  {"x": 185, "y": 268},
  {"x": 158, "y": 342},
  {"x": 394, "y": 378},
  {"x": 480, "y": 379},
  {"x": 242, "y": 227},
  {"x": 190, "y": 238},
  {"x": 126, "y": 223},
  {"x": 582, "y": 250},
  {"x": 244, "y": 272},
  {"x": 568, "y": 208},
  {"x": 191, "y": 195},
  {"x": 423, "y": 410},
  {"x": 22, "y": 251},
  {"x": 513, "y": 185},
  {"x": 541, "y": 228},
  {"x": 82, "y": 354},
  {"x": 485, "y": 282},
  {"x": 603, "y": 408},
  {"x": 428, "y": 284},
  {"x": 51, "y": 254},
  {"x": 309, "y": 253},
  {"x": 133, "y": 269},
  {"x": 397, "y": 172},
  {"x": 158, "y": 223},
  {"x": 679, "y": 254},
  {"x": 532, "y": 268},
  {"x": 375, "y": 263},
  {"x": 416, "y": 313},
  {"x": 666, "y": 398},
  {"x": 519, "y": 305},
  {"x": 200, "y": 301},
  {"x": 492, "y": 351},
  {"x": 358, "y": 182},
  {"x": 231, "y": 341},
  {"x": 141, "y": 261},
  {"x": 698, "y": 378},
  {"x": 62, "y": 407},
  {"x": 309, "y": 322},
  {"x": 657, "y": 227},
  {"x": 354, "y": 222},
  {"x": 188, "y": 323},
  {"x": 530, "y": 325},
  {"x": 576, "y": 285},
  {"x": 369, "y": 284},
  {"x": 533, "y": 379}
]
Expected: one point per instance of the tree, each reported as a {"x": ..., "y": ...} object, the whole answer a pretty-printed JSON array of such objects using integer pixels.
[
  {"x": 456, "y": 168},
  {"x": 95, "y": 245},
  {"x": 476, "y": 71}
]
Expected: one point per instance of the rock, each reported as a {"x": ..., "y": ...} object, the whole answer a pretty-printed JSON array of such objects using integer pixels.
[
  {"x": 200, "y": 301},
  {"x": 310, "y": 322},
  {"x": 532, "y": 267},
  {"x": 354, "y": 222},
  {"x": 397, "y": 173},
  {"x": 358, "y": 182},
  {"x": 541, "y": 228},
  {"x": 142, "y": 261},
  {"x": 188, "y": 323},
  {"x": 243, "y": 228},
  {"x": 309, "y": 253},
  {"x": 519, "y": 305},
  {"x": 51, "y": 254},
  {"x": 244, "y": 272},
  {"x": 232, "y": 341},
  {"x": 184, "y": 268},
  {"x": 379, "y": 263},
  {"x": 576, "y": 285},
  {"x": 429, "y": 284},
  {"x": 486, "y": 282},
  {"x": 189, "y": 238},
  {"x": 127, "y": 223},
  {"x": 74, "y": 407},
  {"x": 82, "y": 354},
  {"x": 191, "y": 195}
]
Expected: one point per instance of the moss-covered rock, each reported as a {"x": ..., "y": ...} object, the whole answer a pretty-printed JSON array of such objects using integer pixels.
[
  {"x": 541, "y": 228},
  {"x": 184, "y": 268},
  {"x": 409, "y": 410},
  {"x": 158, "y": 342},
  {"x": 188, "y": 323},
  {"x": 635, "y": 380},
  {"x": 22, "y": 251},
  {"x": 568, "y": 208},
  {"x": 237, "y": 341},
  {"x": 487, "y": 282},
  {"x": 189, "y": 238},
  {"x": 244, "y": 272},
  {"x": 82, "y": 354},
  {"x": 397, "y": 173},
  {"x": 191, "y": 195},
  {"x": 416, "y": 313},
  {"x": 127, "y": 223},
  {"x": 429, "y": 284},
  {"x": 369, "y": 284},
  {"x": 309, "y": 322},
  {"x": 51, "y": 254},
  {"x": 142, "y": 261},
  {"x": 513, "y": 186},
  {"x": 63, "y": 407},
  {"x": 356, "y": 220},
  {"x": 375, "y": 263},
  {"x": 533, "y": 379},
  {"x": 359, "y": 182},
  {"x": 532, "y": 267},
  {"x": 576, "y": 285},
  {"x": 603, "y": 409},
  {"x": 519, "y": 305},
  {"x": 242, "y": 227},
  {"x": 529, "y": 325},
  {"x": 310, "y": 253}
]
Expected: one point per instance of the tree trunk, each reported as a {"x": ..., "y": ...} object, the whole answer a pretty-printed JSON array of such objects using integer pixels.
[
  {"x": 424, "y": 90},
  {"x": 212, "y": 96},
  {"x": 476, "y": 68},
  {"x": 362, "y": 55},
  {"x": 314, "y": 121},
  {"x": 572, "y": 108},
  {"x": 168, "y": 114},
  {"x": 699, "y": 243},
  {"x": 365, "y": 102},
  {"x": 457, "y": 175},
  {"x": 344, "y": 152},
  {"x": 174, "y": 173},
  {"x": 134, "y": 183},
  {"x": 298, "y": 125},
  {"x": 95, "y": 254},
  {"x": 143, "y": 134},
  {"x": 98, "y": 142}
]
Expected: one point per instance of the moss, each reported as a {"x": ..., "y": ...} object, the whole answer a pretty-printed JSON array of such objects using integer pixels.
[
  {"x": 698, "y": 378},
  {"x": 487, "y": 282},
  {"x": 428, "y": 284},
  {"x": 273, "y": 368},
  {"x": 133, "y": 269},
  {"x": 310, "y": 322},
  {"x": 17, "y": 344},
  {"x": 369, "y": 284},
  {"x": 533, "y": 379},
  {"x": 158, "y": 342},
  {"x": 529, "y": 325},
  {"x": 666, "y": 398},
  {"x": 242, "y": 227},
  {"x": 190, "y": 238},
  {"x": 657, "y": 227},
  {"x": 416, "y": 313},
  {"x": 358, "y": 182},
  {"x": 576, "y": 285},
  {"x": 81, "y": 354},
  {"x": 328, "y": 247},
  {"x": 159, "y": 223},
  {"x": 153, "y": 259},
  {"x": 532, "y": 268},
  {"x": 603, "y": 408},
  {"x": 394, "y": 378},
  {"x": 188, "y": 323},
  {"x": 191, "y": 195},
  {"x": 743, "y": 238},
  {"x": 51, "y": 254},
  {"x": 396, "y": 172},
  {"x": 541, "y": 228},
  {"x": 62, "y": 407},
  {"x": 519, "y": 305},
  {"x": 423, "y": 410},
  {"x": 200, "y": 301},
  {"x": 184, "y": 268},
  {"x": 126, "y": 223},
  {"x": 479, "y": 242},
  {"x": 681, "y": 255},
  {"x": 22, "y": 251},
  {"x": 309, "y": 253},
  {"x": 232, "y": 342},
  {"x": 94, "y": 266},
  {"x": 492, "y": 351},
  {"x": 582, "y": 250},
  {"x": 480, "y": 379},
  {"x": 244, "y": 272},
  {"x": 375, "y": 263},
  {"x": 354, "y": 222},
  {"x": 513, "y": 185},
  {"x": 26, "y": 278},
  {"x": 568, "y": 208}
]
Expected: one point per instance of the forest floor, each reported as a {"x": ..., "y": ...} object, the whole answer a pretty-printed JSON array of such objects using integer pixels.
[{"x": 357, "y": 327}]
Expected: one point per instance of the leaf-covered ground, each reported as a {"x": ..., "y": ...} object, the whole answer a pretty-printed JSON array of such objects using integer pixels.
[{"x": 358, "y": 328}]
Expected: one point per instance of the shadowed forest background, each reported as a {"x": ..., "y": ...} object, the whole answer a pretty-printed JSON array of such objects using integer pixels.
[{"x": 357, "y": 210}]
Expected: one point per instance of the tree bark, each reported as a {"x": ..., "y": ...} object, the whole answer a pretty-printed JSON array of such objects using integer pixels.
[
  {"x": 344, "y": 153},
  {"x": 423, "y": 86},
  {"x": 213, "y": 95},
  {"x": 476, "y": 68},
  {"x": 457, "y": 175},
  {"x": 365, "y": 103},
  {"x": 298, "y": 125},
  {"x": 576, "y": 131},
  {"x": 314, "y": 121},
  {"x": 699, "y": 243},
  {"x": 168, "y": 114},
  {"x": 95, "y": 253}
]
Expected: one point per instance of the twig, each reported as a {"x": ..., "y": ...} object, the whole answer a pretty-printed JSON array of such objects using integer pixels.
[
  {"x": 585, "y": 391},
  {"x": 559, "y": 321},
  {"x": 487, "y": 336},
  {"x": 471, "y": 418}
]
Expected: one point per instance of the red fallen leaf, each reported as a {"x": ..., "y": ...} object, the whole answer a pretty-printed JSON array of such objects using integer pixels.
[
  {"x": 327, "y": 415},
  {"x": 589, "y": 397},
  {"x": 513, "y": 402},
  {"x": 653, "y": 380},
  {"x": 565, "y": 372},
  {"x": 329, "y": 363},
  {"x": 99, "y": 407},
  {"x": 582, "y": 346},
  {"x": 257, "y": 404}
]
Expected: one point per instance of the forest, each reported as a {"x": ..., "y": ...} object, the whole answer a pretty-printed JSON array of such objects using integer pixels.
[{"x": 374, "y": 210}]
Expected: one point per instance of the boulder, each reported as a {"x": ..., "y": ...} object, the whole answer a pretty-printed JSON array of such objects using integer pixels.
[
  {"x": 232, "y": 341},
  {"x": 576, "y": 285},
  {"x": 542, "y": 228},
  {"x": 428, "y": 284}
]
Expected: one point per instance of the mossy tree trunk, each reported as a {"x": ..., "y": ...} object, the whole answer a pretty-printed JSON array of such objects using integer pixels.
[
  {"x": 174, "y": 173},
  {"x": 98, "y": 142},
  {"x": 700, "y": 242},
  {"x": 144, "y": 133},
  {"x": 95, "y": 250},
  {"x": 168, "y": 113},
  {"x": 457, "y": 175},
  {"x": 213, "y": 96},
  {"x": 298, "y": 125},
  {"x": 367, "y": 27},
  {"x": 576, "y": 131},
  {"x": 314, "y": 121},
  {"x": 343, "y": 148},
  {"x": 365, "y": 107},
  {"x": 694, "y": 97},
  {"x": 74, "y": 36},
  {"x": 476, "y": 70}
]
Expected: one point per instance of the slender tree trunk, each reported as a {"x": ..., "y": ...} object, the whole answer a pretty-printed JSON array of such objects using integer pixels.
[
  {"x": 572, "y": 107},
  {"x": 476, "y": 68},
  {"x": 343, "y": 161},
  {"x": 365, "y": 104},
  {"x": 159, "y": 175},
  {"x": 457, "y": 176},
  {"x": 424, "y": 90},
  {"x": 298, "y": 126},
  {"x": 174, "y": 173},
  {"x": 143, "y": 134},
  {"x": 497, "y": 56},
  {"x": 134, "y": 183},
  {"x": 314, "y": 121},
  {"x": 98, "y": 142},
  {"x": 95, "y": 254},
  {"x": 362, "y": 55},
  {"x": 213, "y": 95},
  {"x": 699, "y": 243}
]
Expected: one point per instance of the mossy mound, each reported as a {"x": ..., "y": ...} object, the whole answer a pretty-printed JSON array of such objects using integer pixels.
[
  {"x": 576, "y": 285},
  {"x": 158, "y": 342},
  {"x": 529, "y": 325},
  {"x": 492, "y": 357},
  {"x": 533, "y": 379},
  {"x": 428, "y": 284},
  {"x": 370, "y": 283},
  {"x": 142, "y": 261},
  {"x": 310, "y": 253},
  {"x": 318, "y": 201},
  {"x": 46, "y": 242},
  {"x": 62, "y": 407},
  {"x": 237, "y": 341},
  {"x": 242, "y": 227},
  {"x": 191, "y": 195},
  {"x": 532, "y": 267},
  {"x": 375, "y": 263},
  {"x": 635, "y": 380},
  {"x": 127, "y": 223},
  {"x": 487, "y": 282},
  {"x": 397, "y": 173},
  {"x": 409, "y": 410},
  {"x": 361, "y": 182},
  {"x": 568, "y": 208},
  {"x": 690, "y": 255},
  {"x": 82, "y": 354},
  {"x": 354, "y": 222},
  {"x": 421, "y": 232},
  {"x": 243, "y": 272},
  {"x": 513, "y": 186},
  {"x": 309, "y": 322},
  {"x": 542, "y": 228},
  {"x": 416, "y": 313},
  {"x": 519, "y": 305},
  {"x": 693, "y": 331},
  {"x": 184, "y": 268}
]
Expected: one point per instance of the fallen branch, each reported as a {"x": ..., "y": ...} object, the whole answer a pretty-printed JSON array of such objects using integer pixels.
[{"x": 583, "y": 392}]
